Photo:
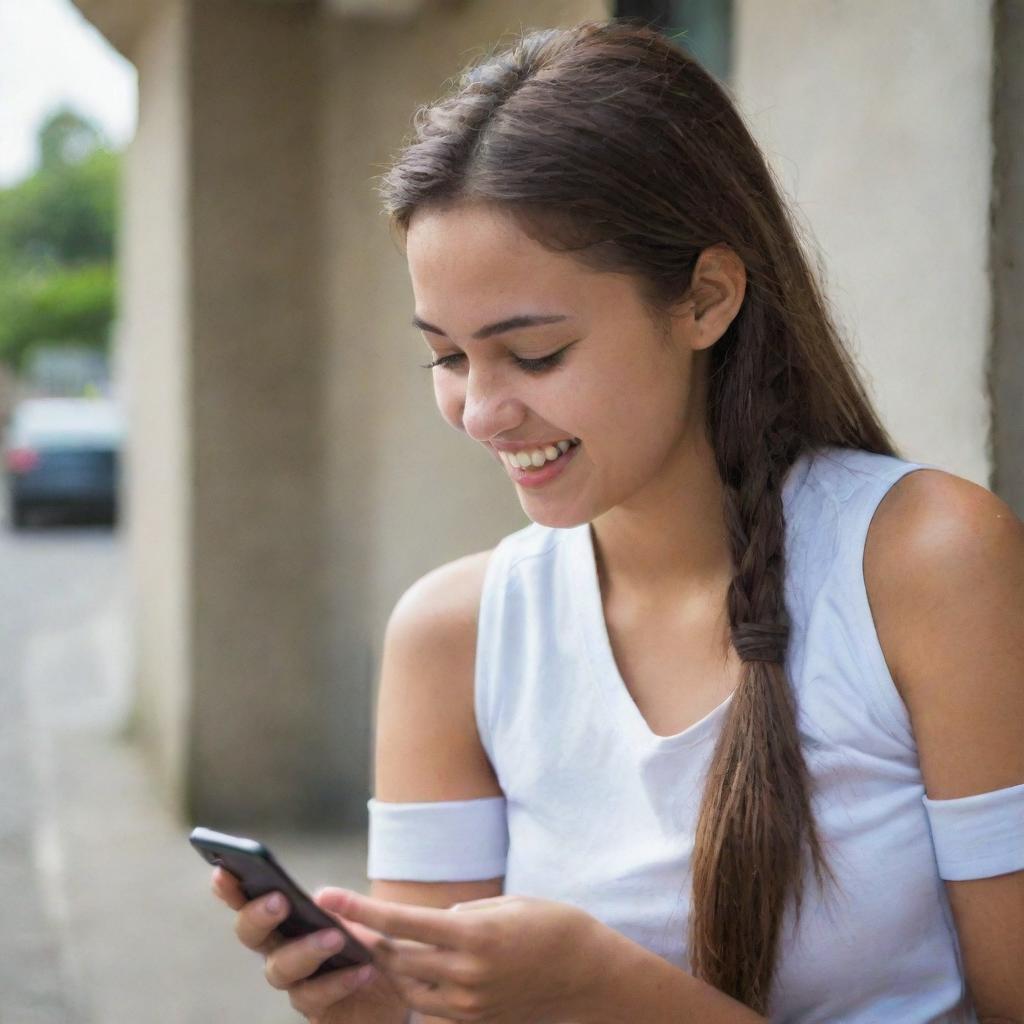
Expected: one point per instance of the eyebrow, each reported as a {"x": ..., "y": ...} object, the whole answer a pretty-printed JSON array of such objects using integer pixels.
[{"x": 513, "y": 323}]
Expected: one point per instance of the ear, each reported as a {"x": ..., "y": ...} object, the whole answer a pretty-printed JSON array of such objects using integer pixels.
[{"x": 717, "y": 287}]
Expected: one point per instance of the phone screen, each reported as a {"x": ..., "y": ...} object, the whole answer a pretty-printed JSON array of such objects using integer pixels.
[{"x": 258, "y": 873}]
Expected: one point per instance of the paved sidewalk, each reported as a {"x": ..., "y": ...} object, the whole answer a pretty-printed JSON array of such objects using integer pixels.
[
  {"x": 145, "y": 939},
  {"x": 107, "y": 914}
]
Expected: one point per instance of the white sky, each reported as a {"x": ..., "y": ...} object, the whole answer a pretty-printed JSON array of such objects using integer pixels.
[{"x": 49, "y": 55}]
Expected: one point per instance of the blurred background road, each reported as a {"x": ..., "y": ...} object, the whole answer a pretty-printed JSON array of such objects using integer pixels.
[{"x": 106, "y": 908}]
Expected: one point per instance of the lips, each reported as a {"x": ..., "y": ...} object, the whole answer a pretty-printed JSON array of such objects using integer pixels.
[{"x": 535, "y": 477}]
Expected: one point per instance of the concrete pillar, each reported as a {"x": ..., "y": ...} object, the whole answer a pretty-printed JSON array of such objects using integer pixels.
[
  {"x": 259, "y": 681},
  {"x": 154, "y": 346},
  {"x": 1007, "y": 367},
  {"x": 223, "y": 350}
]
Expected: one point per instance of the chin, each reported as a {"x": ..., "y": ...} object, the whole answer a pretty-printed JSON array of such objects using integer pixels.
[{"x": 558, "y": 519}]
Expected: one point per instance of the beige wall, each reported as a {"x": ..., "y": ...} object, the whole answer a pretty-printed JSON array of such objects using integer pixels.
[
  {"x": 155, "y": 357},
  {"x": 876, "y": 116}
]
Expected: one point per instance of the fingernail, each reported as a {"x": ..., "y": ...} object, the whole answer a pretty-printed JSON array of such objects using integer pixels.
[
  {"x": 366, "y": 973},
  {"x": 275, "y": 904},
  {"x": 329, "y": 940}
]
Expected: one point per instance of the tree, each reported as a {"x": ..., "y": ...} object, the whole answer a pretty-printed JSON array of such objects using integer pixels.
[
  {"x": 57, "y": 237},
  {"x": 63, "y": 215},
  {"x": 66, "y": 138}
]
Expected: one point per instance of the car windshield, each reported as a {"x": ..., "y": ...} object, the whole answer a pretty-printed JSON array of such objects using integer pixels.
[{"x": 71, "y": 422}]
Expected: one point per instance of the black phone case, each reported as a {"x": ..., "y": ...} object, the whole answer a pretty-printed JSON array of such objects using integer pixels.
[{"x": 258, "y": 873}]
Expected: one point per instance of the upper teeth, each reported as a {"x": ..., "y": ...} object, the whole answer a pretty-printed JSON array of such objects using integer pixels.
[{"x": 538, "y": 456}]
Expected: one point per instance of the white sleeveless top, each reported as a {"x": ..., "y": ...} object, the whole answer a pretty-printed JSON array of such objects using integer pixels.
[{"x": 600, "y": 812}]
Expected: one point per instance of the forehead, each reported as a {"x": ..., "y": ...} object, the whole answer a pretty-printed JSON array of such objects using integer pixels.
[{"x": 473, "y": 257}]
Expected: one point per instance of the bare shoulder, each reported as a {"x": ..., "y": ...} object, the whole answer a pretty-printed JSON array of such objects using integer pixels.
[
  {"x": 427, "y": 746},
  {"x": 931, "y": 509},
  {"x": 427, "y": 743},
  {"x": 932, "y": 539},
  {"x": 446, "y": 599},
  {"x": 944, "y": 572}
]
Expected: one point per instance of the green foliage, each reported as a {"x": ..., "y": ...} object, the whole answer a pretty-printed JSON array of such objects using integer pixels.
[
  {"x": 65, "y": 306},
  {"x": 63, "y": 215},
  {"x": 57, "y": 232}
]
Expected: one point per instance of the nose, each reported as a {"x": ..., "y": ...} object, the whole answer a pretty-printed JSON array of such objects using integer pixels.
[{"x": 489, "y": 408}]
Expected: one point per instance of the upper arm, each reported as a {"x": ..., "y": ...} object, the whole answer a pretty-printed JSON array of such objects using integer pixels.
[
  {"x": 944, "y": 569},
  {"x": 427, "y": 746}
]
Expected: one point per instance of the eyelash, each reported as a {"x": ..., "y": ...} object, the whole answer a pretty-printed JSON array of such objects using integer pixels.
[{"x": 529, "y": 365}]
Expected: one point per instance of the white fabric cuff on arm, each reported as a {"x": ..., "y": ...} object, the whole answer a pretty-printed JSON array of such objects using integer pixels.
[
  {"x": 444, "y": 841},
  {"x": 978, "y": 836}
]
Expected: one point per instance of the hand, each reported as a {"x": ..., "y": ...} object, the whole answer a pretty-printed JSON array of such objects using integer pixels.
[
  {"x": 502, "y": 960},
  {"x": 343, "y": 996}
]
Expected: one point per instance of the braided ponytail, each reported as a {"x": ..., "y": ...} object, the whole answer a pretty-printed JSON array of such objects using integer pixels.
[{"x": 756, "y": 805}]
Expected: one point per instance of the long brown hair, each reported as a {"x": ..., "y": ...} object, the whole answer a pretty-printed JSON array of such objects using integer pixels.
[{"x": 607, "y": 141}]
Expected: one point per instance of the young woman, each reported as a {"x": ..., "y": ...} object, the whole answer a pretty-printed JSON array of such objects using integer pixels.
[{"x": 737, "y": 722}]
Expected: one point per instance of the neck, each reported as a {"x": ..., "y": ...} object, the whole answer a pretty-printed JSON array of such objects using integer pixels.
[{"x": 668, "y": 543}]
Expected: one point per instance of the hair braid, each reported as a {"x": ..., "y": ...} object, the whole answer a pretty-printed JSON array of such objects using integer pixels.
[{"x": 756, "y": 805}]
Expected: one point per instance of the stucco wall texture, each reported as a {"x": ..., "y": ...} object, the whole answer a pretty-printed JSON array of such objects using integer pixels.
[
  {"x": 876, "y": 116},
  {"x": 154, "y": 353}
]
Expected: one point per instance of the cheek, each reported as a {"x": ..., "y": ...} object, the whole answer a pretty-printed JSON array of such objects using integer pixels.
[{"x": 639, "y": 418}]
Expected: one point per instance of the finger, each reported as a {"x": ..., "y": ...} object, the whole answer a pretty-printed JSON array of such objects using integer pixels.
[
  {"x": 451, "y": 1004},
  {"x": 314, "y": 996},
  {"x": 402, "y": 921},
  {"x": 415, "y": 961},
  {"x": 227, "y": 888},
  {"x": 329, "y": 901},
  {"x": 293, "y": 961},
  {"x": 257, "y": 919}
]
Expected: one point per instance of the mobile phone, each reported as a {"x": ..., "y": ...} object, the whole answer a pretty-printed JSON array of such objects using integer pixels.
[{"x": 258, "y": 873}]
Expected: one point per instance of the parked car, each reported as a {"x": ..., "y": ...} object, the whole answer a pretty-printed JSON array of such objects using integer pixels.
[{"x": 63, "y": 454}]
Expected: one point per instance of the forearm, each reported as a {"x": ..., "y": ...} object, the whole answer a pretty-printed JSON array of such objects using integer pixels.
[{"x": 634, "y": 984}]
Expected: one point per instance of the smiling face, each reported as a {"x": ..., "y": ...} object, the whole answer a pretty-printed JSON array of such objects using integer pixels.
[{"x": 489, "y": 297}]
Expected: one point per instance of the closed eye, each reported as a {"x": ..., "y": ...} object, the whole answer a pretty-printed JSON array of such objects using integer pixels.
[{"x": 529, "y": 365}]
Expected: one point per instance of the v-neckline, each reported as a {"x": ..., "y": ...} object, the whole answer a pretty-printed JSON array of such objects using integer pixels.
[{"x": 596, "y": 642}]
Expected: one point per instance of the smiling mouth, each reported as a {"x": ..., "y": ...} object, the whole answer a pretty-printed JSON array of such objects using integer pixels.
[{"x": 537, "y": 458}]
